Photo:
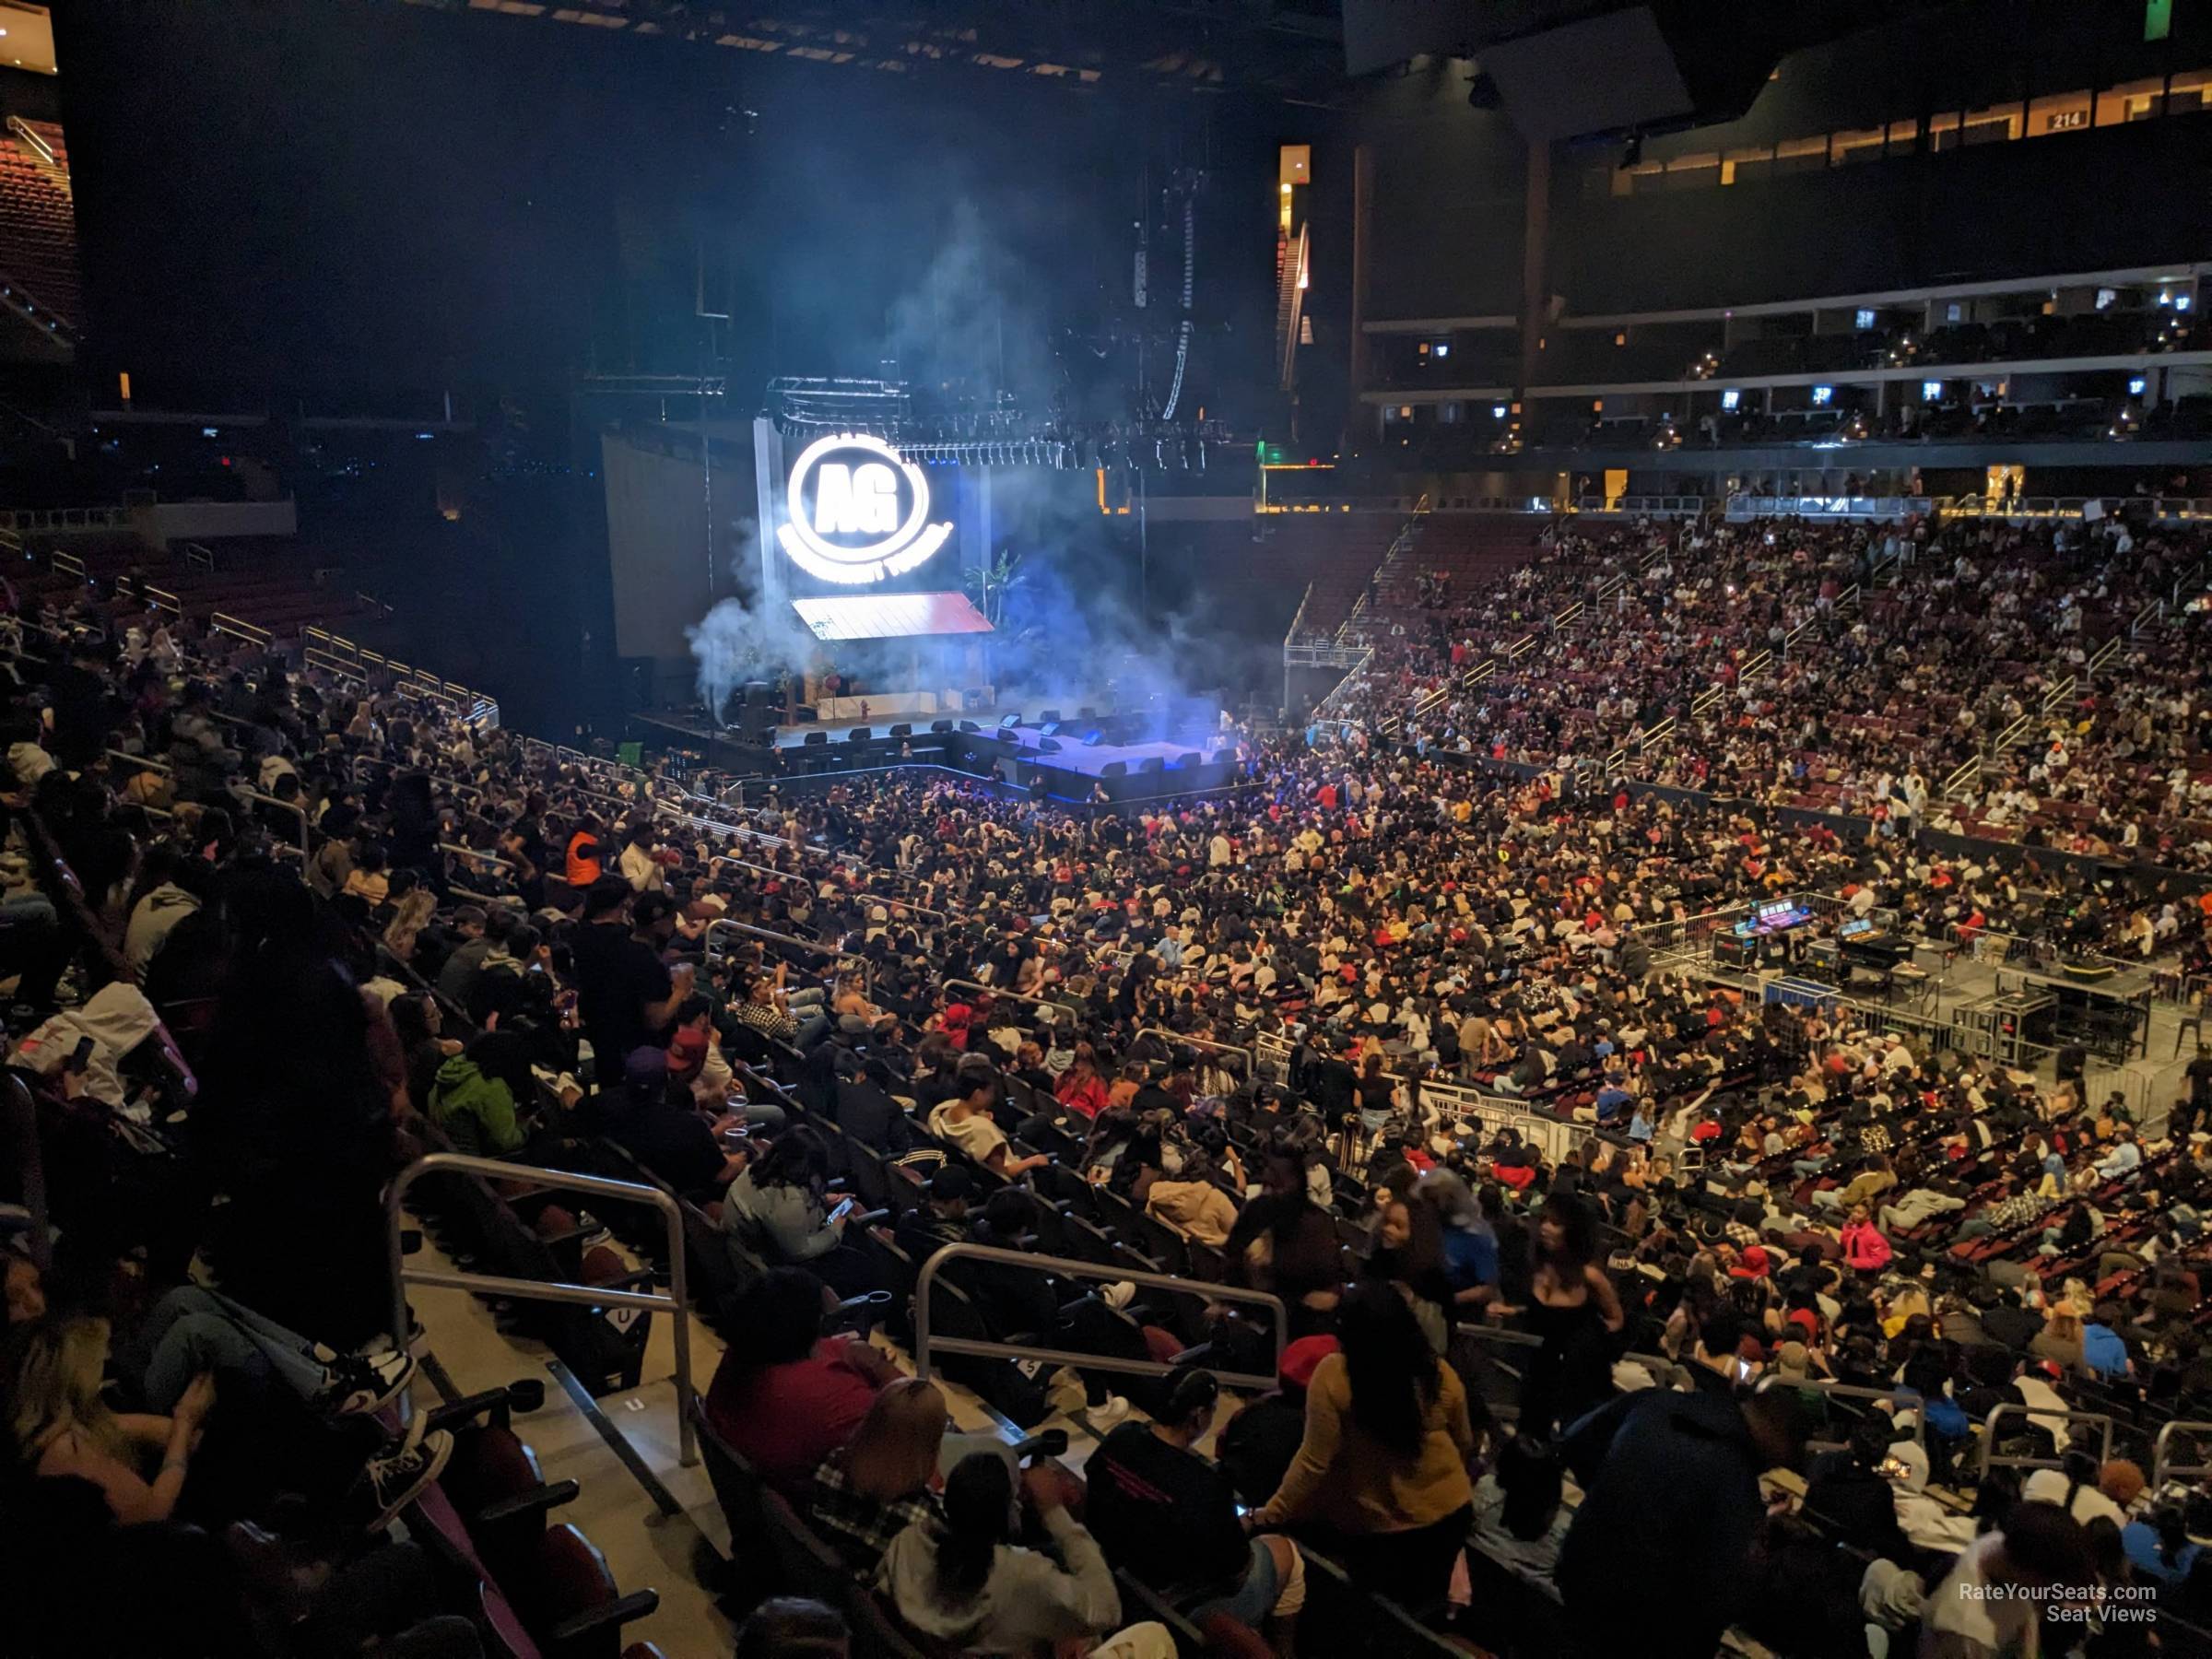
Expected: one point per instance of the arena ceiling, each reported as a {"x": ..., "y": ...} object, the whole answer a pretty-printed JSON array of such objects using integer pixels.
[{"x": 1290, "y": 50}]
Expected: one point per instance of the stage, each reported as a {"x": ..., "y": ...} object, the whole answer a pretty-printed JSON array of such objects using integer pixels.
[
  {"x": 1103, "y": 759},
  {"x": 1133, "y": 759}
]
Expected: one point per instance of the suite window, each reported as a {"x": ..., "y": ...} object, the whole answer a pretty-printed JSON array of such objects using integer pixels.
[
  {"x": 1801, "y": 155},
  {"x": 1995, "y": 125},
  {"x": 1862, "y": 145},
  {"x": 2189, "y": 91},
  {"x": 2132, "y": 100},
  {"x": 1739, "y": 165}
]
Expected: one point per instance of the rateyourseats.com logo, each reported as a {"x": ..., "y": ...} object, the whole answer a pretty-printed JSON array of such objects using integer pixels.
[{"x": 2075, "y": 1603}]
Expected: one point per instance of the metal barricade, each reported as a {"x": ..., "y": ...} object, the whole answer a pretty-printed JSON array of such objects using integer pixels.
[
  {"x": 676, "y": 1302},
  {"x": 1679, "y": 936},
  {"x": 926, "y": 1346},
  {"x": 1992, "y": 1459}
]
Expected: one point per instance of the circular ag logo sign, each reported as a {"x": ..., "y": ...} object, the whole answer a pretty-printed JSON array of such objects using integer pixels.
[{"x": 855, "y": 511}]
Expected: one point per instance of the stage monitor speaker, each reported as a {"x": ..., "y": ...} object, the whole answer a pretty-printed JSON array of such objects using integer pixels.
[
  {"x": 814, "y": 737},
  {"x": 1114, "y": 769},
  {"x": 1050, "y": 746},
  {"x": 1185, "y": 761},
  {"x": 902, "y": 730},
  {"x": 1151, "y": 763},
  {"x": 1086, "y": 713},
  {"x": 1049, "y": 719},
  {"x": 860, "y": 735},
  {"x": 940, "y": 726},
  {"x": 1092, "y": 738},
  {"x": 969, "y": 726},
  {"x": 1051, "y": 728},
  {"x": 1008, "y": 720}
]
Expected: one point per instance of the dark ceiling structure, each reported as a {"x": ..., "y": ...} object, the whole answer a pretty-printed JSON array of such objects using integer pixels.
[
  {"x": 1586, "y": 69},
  {"x": 1290, "y": 50}
]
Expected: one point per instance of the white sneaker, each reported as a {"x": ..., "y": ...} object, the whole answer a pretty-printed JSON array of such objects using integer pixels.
[
  {"x": 396, "y": 1479},
  {"x": 362, "y": 1384}
]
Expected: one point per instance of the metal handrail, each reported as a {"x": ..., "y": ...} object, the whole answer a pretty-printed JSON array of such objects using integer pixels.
[
  {"x": 1174, "y": 1040},
  {"x": 1852, "y": 1391},
  {"x": 2038, "y": 1416},
  {"x": 1068, "y": 1267},
  {"x": 1058, "y": 1010},
  {"x": 842, "y": 958},
  {"x": 252, "y": 633},
  {"x": 293, "y": 808},
  {"x": 476, "y": 857},
  {"x": 2161, "y": 1470},
  {"x": 676, "y": 1302}
]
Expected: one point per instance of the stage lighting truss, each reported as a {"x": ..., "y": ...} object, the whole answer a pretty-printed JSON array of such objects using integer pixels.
[{"x": 1033, "y": 451}]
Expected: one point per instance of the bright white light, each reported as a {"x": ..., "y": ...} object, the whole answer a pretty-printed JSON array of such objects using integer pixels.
[
  {"x": 2182, "y": 301},
  {"x": 1864, "y": 319},
  {"x": 2135, "y": 386},
  {"x": 857, "y": 496},
  {"x": 1443, "y": 348},
  {"x": 1497, "y": 411},
  {"x": 1821, "y": 394},
  {"x": 1931, "y": 389},
  {"x": 1730, "y": 399}
]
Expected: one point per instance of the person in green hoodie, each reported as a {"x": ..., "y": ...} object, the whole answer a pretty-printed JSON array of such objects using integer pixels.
[{"x": 475, "y": 1100}]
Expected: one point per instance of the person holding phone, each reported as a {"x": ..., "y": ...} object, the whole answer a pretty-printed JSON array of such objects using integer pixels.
[
  {"x": 776, "y": 1207},
  {"x": 961, "y": 1578}
]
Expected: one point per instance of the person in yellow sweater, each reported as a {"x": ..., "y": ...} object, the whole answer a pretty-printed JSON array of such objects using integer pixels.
[{"x": 1381, "y": 1478}]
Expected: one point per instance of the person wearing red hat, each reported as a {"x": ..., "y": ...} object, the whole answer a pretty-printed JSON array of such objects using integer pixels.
[{"x": 1257, "y": 1444}]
